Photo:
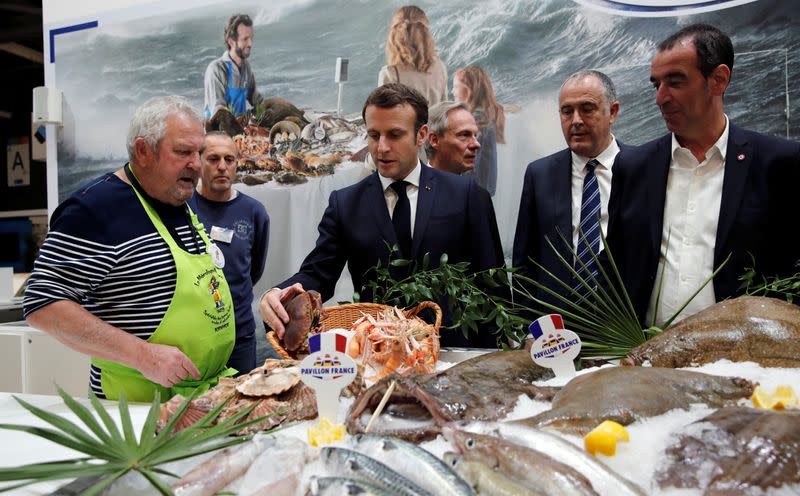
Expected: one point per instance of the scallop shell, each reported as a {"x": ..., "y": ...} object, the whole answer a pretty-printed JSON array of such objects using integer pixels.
[
  {"x": 278, "y": 381},
  {"x": 284, "y": 127},
  {"x": 271, "y": 364}
]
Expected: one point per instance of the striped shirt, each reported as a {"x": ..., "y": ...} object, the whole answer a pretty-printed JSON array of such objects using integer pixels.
[{"x": 105, "y": 254}]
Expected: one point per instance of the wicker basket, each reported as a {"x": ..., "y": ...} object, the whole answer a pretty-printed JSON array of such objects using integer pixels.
[{"x": 343, "y": 316}]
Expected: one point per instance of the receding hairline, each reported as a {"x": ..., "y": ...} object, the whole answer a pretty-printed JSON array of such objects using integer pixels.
[
  {"x": 580, "y": 79},
  {"x": 219, "y": 135}
]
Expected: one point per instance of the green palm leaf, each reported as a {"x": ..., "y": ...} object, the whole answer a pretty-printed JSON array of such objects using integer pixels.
[
  {"x": 110, "y": 454},
  {"x": 111, "y": 426},
  {"x": 604, "y": 317},
  {"x": 127, "y": 425},
  {"x": 84, "y": 414}
]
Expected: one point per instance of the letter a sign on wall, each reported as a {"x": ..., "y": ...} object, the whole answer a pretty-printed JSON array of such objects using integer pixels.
[{"x": 19, "y": 163}]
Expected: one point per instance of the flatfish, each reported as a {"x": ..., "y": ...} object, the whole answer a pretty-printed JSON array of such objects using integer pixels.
[
  {"x": 627, "y": 394},
  {"x": 481, "y": 388},
  {"x": 745, "y": 329},
  {"x": 741, "y": 448}
]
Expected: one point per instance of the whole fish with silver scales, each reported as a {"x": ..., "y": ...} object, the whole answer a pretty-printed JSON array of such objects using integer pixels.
[
  {"x": 344, "y": 462},
  {"x": 415, "y": 463},
  {"x": 337, "y": 486}
]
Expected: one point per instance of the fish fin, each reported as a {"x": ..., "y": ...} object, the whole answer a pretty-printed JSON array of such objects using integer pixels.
[{"x": 352, "y": 465}]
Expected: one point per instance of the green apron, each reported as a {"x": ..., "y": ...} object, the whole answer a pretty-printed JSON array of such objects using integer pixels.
[{"x": 199, "y": 321}]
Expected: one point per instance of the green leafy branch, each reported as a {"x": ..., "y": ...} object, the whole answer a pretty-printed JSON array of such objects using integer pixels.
[
  {"x": 755, "y": 284},
  {"x": 110, "y": 454},
  {"x": 470, "y": 296}
]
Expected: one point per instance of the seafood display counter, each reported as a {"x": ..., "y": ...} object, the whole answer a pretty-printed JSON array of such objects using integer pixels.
[
  {"x": 19, "y": 448},
  {"x": 677, "y": 416},
  {"x": 664, "y": 440}
]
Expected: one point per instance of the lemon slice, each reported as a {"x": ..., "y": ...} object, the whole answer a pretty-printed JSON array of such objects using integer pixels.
[
  {"x": 604, "y": 438},
  {"x": 783, "y": 397},
  {"x": 325, "y": 432}
]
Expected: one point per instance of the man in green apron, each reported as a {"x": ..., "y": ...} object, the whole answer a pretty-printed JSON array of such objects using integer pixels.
[{"x": 127, "y": 273}]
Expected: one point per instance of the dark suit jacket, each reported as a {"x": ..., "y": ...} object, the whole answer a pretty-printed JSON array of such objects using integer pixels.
[
  {"x": 758, "y": 213},
  {"x": 545, "y": 210},
  {"x": 454, "y": 216}
]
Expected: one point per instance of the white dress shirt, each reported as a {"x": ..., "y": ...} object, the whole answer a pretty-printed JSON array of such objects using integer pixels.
[
  {"x": 412, "y": 191},
  {"x": 603, "y": 174},
  {"x": 691, "y": 215}
]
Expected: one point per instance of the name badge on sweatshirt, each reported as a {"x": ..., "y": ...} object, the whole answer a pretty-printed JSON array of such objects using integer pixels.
[{"x": 221, "y": 234}]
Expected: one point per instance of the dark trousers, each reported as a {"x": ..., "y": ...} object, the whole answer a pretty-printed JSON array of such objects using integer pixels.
[{"x": 243, "y": 356}]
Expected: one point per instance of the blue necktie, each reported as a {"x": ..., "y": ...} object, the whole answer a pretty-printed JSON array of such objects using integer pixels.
[
  {"x": 589, "y": 233},
  {"x": 401, "y": 218}
]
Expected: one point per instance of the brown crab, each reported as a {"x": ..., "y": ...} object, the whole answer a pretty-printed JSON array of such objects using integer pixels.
[{"x": 305, "y": 315}]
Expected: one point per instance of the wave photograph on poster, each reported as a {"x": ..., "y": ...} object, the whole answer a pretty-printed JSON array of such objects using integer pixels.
[{"x": 528, "y": 47}]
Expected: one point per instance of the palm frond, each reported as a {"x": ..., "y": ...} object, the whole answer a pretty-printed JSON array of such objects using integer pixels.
[
  {"x": 598, "y": 308},
  {"x": 110, "y": 453}
]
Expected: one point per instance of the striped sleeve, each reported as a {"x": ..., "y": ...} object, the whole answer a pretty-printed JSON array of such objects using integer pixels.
[{"x": 67, "y": 268}]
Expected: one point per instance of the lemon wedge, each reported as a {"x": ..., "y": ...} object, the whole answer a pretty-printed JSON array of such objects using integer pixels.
[
  {"x": 325, "y": 432},
  {"x": 604, "y": 438},
  {"x": 783, "y": 397}
]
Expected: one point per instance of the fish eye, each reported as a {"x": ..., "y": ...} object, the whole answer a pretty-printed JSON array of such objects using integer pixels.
[{"x": 470, "y": 443}]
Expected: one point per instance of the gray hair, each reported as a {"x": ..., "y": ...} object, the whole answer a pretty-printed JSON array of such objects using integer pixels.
[
  {"x": 150, "y": 120},
  {"x": 609, "y": 91},
  {"x": 437, "y": 120}
]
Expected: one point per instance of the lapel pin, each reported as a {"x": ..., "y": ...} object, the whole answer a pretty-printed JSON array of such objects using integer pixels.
[
  {"x": 427, "y": 187},
  {"x": 740, "y": 157}
]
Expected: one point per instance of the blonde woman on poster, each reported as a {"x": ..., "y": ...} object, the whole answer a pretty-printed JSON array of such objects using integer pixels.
[{"x": 411, "y": 57}]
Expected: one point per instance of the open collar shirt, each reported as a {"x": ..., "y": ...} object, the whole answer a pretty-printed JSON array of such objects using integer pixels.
[{"x": 688, "y": 237}]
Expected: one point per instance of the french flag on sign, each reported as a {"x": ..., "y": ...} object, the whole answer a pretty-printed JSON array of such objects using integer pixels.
[
  {"x": 327, "y": 342},
  {"x": 546, "y": 323}
]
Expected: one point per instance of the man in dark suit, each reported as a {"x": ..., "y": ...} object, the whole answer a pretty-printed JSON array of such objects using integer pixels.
[
  {"x": 567, "y": 193},
  {"x": 445, "y": 212},
  {"x": 683, "y": 203}
]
